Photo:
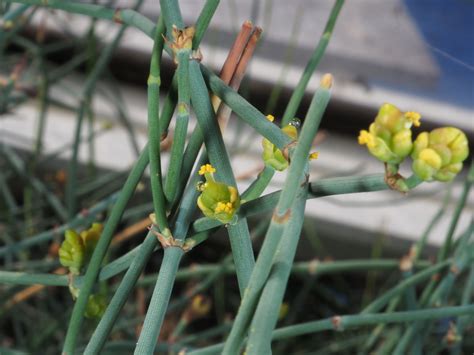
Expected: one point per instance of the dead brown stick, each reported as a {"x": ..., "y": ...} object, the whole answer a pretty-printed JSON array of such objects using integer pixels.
[
  {"x": 232, "y": 60},
  {"x": 223, "y": 112}
]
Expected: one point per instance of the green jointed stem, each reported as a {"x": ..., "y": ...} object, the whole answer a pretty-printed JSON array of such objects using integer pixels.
[
  {"x": 463, "y": 257},
  {"x": 203, "y": 21},
  {"x": 318, "y": 53},
  {"x": 380, "y": 302},
  {"x": 126, "y": 16},
  {"x": 443, "y": 252},
  {"x": 419, "y": 246},
  {"x": 352, "y": 321},
  {"x": 181, "y": 129},
  {"x": 279, "y": 220},
  {"x": 100, "y": 250},
  {"x": 154, "y": 136},
  {"x": 326, "y": 187},
  {"x": 172, "y": 15},
  {"x": 259, "y": 185},
  {"x": 125, "y": 261},
  {"x": 82, "y": 219},
  {"x": 239, "y": 235},
  {"x": 17, "y": 164},
  {"x": 159, "y": 301},
  {"x": 131, "y": 276},
  {"x": 268, "y": 309},
  {"x": 245, "y": 110},
  {"x": 463, "y": 321},
  {"x": 86, "y": 96}
]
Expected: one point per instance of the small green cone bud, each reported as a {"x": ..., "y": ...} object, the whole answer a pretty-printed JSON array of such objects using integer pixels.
[
  {"x": 438, "y": 155},
  {"x": 217, "y": 200},
  {"x": 71, "y": 252}
]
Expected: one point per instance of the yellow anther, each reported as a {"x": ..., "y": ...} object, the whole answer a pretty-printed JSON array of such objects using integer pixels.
[
  {"x": 366, "y": 138},
  {"x": 207, "y": 168},
  {"x": 224, "y": 207},
  {"x": 271, "y": 118},
  {"x": 414, "y": 117},
  {"x": 314, "y": 156}
]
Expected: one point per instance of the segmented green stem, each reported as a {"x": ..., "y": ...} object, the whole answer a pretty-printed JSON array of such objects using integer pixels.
[
  {"x": 279, "y": 221},
  {"x": 318, "y": 53},
  {"x": 268, "y": 309},
  {"x": 341, "y": 323},
  {"x": 181, "y": 129},
  {"x": 100, "y": 250},
  {"x": 239, "y": 235}
]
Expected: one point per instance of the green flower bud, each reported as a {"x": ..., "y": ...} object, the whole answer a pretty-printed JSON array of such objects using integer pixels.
[
  {"x": 90, "y": 238},
  {"x": 71, "y": 252},
  {"x": 77, "y": 249},
  {"x": 389, "y": 136},
  {"x": 217, "y": 200},
  {"x": 96, "y": 305},
  {"x": 272, "y": 156},
  {"x": 438, "y": 155}
]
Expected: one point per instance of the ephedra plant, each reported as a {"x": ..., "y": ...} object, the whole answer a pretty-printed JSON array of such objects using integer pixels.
[{"x": 198, "y": 195}]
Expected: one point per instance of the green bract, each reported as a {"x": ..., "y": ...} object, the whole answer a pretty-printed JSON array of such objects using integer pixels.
[
  {"x": 77, "y": 249},
  {"x": 272, "y": 156},
  {"x": 71, "y": 252},
  {"x": 96, "y": 305},
  {"x": 438, "y": 155}
]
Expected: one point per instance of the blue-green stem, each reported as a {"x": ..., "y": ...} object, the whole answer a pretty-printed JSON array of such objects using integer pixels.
[
  {"x": 245, "y": 110},
  {"x": 318, "y": 53},
  {"x": 443, "y": 252},
  {"x": 82, "y": 219},
  {"x": 280, "y": 218},
  {"x": 86, "y": 96},
  {"x": 341, "y": 323},
  {"x": 100, "y": 250},
  {"x": 268, "y": 309},
  {"x": 259, "y": 185},
  {"x": 181, "y": 129},
  {"x": 19, "y": 167},
  {"x": 238, "y": 232},
  {"x": 181, "y": 224},
  {"x": 154, "y": 137}
]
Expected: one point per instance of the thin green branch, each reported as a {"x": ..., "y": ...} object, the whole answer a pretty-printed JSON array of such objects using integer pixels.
[
  {"x": 318, "y": 53},
  {"x": 100, "y": 250},
  {"x": 341, "y": 323}
]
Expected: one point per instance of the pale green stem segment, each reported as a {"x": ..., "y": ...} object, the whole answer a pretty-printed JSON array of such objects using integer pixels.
[
  {"x": 181, "y": 224},
  {"x": 181, "y": 129},
  {"x": 341, "y": 323},
  {"x": 318, "y": 53},
  {"x": 19, "y": 167},
  {"x": 238, "y": 232},
  {"x": 125, "y": 261},
  {"x": 447, "y": 245},
  {"x": 268, "y": 309},
  {"x": 86, "y": 96},
  {"x": 463, "y": 257},
  {"x": 100, "y": 250},
  {"x": 259, "y": 185},
  {"x": 281, "y": 214},
  {"x": 159, "y": 301}
]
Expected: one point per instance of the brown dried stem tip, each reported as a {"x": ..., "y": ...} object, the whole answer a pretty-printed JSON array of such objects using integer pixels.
[{"x": 182, "y": 39}]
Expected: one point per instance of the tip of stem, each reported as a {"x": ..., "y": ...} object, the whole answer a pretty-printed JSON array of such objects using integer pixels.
[
  {"x": 326, "y": 81},
  {"x": 247, "y": 24}
]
